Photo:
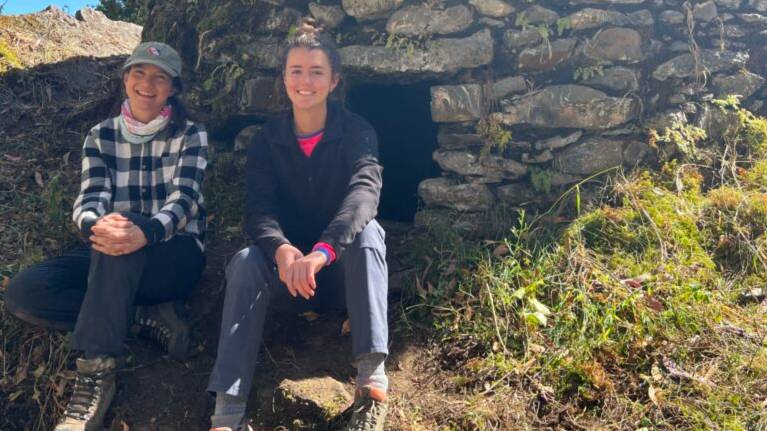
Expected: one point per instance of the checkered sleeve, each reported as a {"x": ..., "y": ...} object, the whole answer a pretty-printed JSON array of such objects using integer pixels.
[
  {"x": 94, "y": 199},
  {"x": 181, "y": 205}
]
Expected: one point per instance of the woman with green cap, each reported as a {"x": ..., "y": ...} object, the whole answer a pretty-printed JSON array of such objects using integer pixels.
[{"x": 140, "y": 207}]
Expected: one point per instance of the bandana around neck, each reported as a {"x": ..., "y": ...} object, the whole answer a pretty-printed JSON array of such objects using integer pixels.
[{"x": 137, "y": 132}]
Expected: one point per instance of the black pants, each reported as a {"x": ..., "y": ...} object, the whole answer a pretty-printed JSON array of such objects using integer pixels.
[{"x": 93, "y": 294}]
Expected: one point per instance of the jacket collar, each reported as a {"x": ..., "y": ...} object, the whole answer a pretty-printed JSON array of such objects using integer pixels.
[{"x": 333, "y": 124}]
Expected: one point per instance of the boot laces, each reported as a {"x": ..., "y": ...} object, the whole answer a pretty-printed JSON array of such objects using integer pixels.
[
  {"x": 367, "y": 412},
  {"x": 85, "y": 397},
  {"x": 155, "y": 330}
]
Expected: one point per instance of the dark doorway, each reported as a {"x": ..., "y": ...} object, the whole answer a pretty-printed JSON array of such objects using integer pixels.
[{"x": 407, "y": 137}]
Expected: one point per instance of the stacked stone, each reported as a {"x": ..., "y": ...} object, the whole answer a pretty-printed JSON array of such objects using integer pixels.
[{"x": 577, "y": 83}]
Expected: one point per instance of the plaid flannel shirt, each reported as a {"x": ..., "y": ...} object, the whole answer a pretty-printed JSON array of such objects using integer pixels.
[{"x": 159, "y": 180}]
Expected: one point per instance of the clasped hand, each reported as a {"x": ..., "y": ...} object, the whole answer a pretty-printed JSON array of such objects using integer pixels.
[
  {"x": 115, "y": 235},
  {"x": 298, "y": 271}
]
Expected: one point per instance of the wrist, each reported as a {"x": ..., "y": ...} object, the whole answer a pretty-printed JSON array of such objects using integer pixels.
[
  {"x": 327, "y": 250},
  {"x": 325, "y": 255}
]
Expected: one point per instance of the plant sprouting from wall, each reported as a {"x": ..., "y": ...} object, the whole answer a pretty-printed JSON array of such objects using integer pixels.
[
  {"x": 540, "y": 178},
  {"x": 562, "y": 25},
  {"x": 584, "y": 73},
  {"x": 494, "y": 134},
  {"x": 678, "y": 138},
  {"x": 400, "y": 43}
]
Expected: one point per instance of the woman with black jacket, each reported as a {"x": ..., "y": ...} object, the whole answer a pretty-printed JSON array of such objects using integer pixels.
[{"x": 313, "y": 185}]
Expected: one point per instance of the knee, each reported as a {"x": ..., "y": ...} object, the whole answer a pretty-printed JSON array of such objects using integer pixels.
[
  {"x": 19, "y": 293},
  {"x": 373, "y": 236},
  {"x": 247, "y": 267}
]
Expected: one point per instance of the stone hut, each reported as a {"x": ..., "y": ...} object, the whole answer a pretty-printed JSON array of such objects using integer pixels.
[{"x": 481, "y": 103}]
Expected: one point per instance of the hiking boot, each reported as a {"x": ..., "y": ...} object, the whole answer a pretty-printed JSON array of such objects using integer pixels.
[
  {"x": 164, "y": 323},
  {"x": 94, "y": 390},
  {"x": 368, "y": 411}
]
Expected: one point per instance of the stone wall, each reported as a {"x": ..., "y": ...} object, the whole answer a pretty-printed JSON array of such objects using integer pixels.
[{"x": 576, "y": 84}]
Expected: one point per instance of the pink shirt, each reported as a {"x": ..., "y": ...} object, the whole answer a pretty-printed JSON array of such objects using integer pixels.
[{"x": 309, "y": 142}]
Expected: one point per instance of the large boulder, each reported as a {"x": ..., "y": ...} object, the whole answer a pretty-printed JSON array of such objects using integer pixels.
[
  {"x": 370, "y": 9},
  {"x": 547, "y": 55},
  {"x": 493, "y": 8},
  {"x": 421, "y": 20},
  {"x": 711, "y": 61},
  {"x": 615, "y": 44},
  {"x": 743, "y": 83},
  {"x": 618, "y": 79},
  {"x": 590, "y": 18},
  {"x": 573, "y": 106},
  {"x": 591, "y": 155},
  {"x": 446, "y": 192},
  {"x": 468, "y": 164},
  {"x": 455, "y": 103},
  {"x": 440, "y": 56}
]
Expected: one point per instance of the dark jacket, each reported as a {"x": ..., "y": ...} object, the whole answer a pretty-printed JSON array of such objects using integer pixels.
[{"x": 328, "y": 197}]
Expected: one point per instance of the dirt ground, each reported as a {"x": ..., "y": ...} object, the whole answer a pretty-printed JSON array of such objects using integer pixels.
[{"x": 158, "y": 393}]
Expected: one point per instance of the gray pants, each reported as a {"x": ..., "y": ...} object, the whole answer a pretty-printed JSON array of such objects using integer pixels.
[{"x": 360, "y": 278}]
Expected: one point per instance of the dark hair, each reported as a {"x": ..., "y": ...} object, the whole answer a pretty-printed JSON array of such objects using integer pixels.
[
  {"x": 179, "y": 113},
  {"x": 312, "y": 36}
]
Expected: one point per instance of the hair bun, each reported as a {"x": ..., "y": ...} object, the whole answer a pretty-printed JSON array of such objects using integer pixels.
[{"x": 308, "y": 26}]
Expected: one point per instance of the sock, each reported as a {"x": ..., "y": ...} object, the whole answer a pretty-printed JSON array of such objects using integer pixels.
[
  {"x": 370, "y": 371},
  {"x": 230, "y": 411}
]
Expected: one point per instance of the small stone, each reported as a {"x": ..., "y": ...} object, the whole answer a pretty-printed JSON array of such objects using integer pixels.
[
  {"x": 419, "y": 20},
  {"x": 493, "y": 8},
  {"x": 562, "y": 179},
  {"x": 671, "y": 17},
  {"x": 728, "y": 4},
  {"x": 754, "y": 18},
  {"x": 676, "y": 99},
  {"x": 588, "y": 18},
  {"x": 521, "y": 38},
  {"x": 592, "y": 155},
  {"x": 450, "y": 193},
  {"x": 245, "y": 136},
  {"x": 492, "y": 168},
  {"x": 518, "y": 194},
  {"x": 666, "y": 119},
  {"x": 547, "y": 55},
  {"x": 440, "y": 56},
  {"x": 636, "y": 152},
  {"x": 260, "y": 95},
  {"x": 759, "y": 5},
  {"x": 679, "y": 46},
  {"x": 450, "y": 139},
  {"x": 328, "y": 15},
  {"x": 490, "y": 22},
  {"x": 509, "y": 85},
  {"x": 743, "y": 83},
  {"x": 642, "y": 18},
  {"x": 616, "y": 44},
  {"x": 569, "y": 106},
  {"x": 705, "y": 11},
  {"x": 620, "y": 79},
  {"x": 370, "y": 9},
  {"x": 315, "y": 398},
  {"x": 454, "y": 103},
  {"x": 711, "y": 61},
  {"x": 544, "y": 157},
  {"x": 535, "y": 15},
  {"x": 558, "y": 142},
  {"x": 607, "y": 2}
]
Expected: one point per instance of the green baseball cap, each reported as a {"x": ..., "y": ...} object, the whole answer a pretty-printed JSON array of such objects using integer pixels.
[{"x": 157, "y": 54}]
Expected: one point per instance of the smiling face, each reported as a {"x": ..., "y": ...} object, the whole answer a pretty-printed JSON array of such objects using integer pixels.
[
  {"x": 309, "y": 79},
  {"x": 148, "y": 88}
]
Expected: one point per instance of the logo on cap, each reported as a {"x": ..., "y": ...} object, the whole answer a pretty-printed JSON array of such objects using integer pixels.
[{"x": 154, "y": 51}]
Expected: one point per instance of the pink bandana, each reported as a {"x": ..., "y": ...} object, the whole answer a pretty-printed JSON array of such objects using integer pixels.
[{"x": 143, "y": 131}]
